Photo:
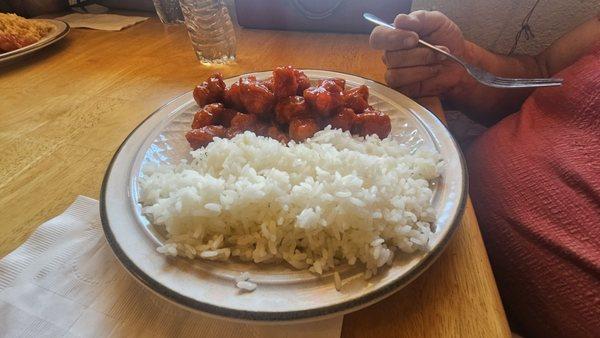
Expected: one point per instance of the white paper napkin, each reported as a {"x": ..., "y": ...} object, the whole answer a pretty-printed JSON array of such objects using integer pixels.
[
  {"x": 106, "y": 22},
  {"x": 65, "y": 282}
]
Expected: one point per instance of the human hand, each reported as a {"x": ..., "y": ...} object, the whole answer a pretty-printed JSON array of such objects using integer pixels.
[{"x": 419, "y": 71}]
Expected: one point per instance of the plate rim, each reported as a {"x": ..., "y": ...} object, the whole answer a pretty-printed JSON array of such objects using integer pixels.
[
  {"x": 341, "y": 308},
  {"x": 13, "y": 54}
]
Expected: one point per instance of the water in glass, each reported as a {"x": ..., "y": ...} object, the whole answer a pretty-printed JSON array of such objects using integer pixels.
[{"x": 210, "y": 29}]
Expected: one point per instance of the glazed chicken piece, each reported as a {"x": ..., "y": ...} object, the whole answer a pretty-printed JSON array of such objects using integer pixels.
[
  {"x": 261, "y": 128},
  {"x": 240, "y": 123},
  {"x": 288, "y": 81},
  {"x": 232, "y": 97},
  {"x": 284, "y": 82},
  {"x": 210, "y": 91},
  {"x": 243, "y": 121},
  {"x": 340, "y": 82},
  {"x": 343, "y": 119},
  {"x": 225, "y": 116},
  {"x": 256, "y": 98},
  {"x": 268, "y": 82},
  {"x": 324, "y": 99},
  {"x": 372, "y": 122},
  {"x": 303, "y": 81},
  {"x": 204, "y": 117},
  {"x": 333, "y": 85},
  {"x": 357, "y": 99},
  {"x": 203, "y": 136},
  {"x": 214, "y": 113},
  {"x": 274, "y": 133},
  {"x": 291, "y": 108},
  {"x": 302, "y": 129}
]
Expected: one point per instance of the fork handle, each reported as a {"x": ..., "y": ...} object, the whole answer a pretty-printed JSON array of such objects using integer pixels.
[{"x": 441, "y": 51}]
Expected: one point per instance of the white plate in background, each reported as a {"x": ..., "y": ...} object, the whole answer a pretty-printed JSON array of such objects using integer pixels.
[{"x": 59, "y": 30}]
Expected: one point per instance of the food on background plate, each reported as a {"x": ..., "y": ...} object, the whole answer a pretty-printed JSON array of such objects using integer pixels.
[
  {"x": 284, "y": 107},
  {"x": 17, "y": 32}
]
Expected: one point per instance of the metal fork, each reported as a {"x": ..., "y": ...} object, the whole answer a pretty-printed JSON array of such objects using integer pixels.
[{"x": 479, "y": 74}]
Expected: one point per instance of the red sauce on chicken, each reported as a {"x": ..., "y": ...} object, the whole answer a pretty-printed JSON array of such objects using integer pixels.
[{"x": 284, "y": 107}]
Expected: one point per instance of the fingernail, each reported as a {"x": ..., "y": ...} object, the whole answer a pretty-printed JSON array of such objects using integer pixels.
[{"x": 410, "y": 41}]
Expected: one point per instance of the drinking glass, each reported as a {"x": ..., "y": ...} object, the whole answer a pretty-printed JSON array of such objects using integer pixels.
[
  {"x": 168, "y": 11},
  {"x": 210, "y": 29}
]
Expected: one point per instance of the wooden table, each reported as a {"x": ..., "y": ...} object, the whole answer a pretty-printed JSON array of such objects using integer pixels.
[{"x": 65, "y": 110}]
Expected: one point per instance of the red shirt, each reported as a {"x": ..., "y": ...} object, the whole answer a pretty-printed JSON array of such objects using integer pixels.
[{"x": 535, "y": 184}]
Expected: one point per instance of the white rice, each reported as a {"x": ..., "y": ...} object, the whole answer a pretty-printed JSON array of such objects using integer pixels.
[
  {"x": 332, "y": 199},
  {"x": 246, "y": 285}
]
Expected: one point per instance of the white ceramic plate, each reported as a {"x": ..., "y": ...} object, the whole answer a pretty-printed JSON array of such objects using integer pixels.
[
  {"x": 59, "y": 30},
  {"x": 283, "y": 294}
]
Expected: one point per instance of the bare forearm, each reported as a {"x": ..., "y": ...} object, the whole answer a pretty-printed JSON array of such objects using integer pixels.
[
  {"x": 485, "y": 104},
  {"x": 488, "y": 105},
  {"x": 570, "y": 47}
]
